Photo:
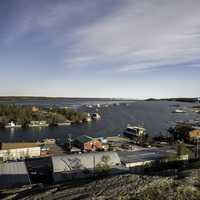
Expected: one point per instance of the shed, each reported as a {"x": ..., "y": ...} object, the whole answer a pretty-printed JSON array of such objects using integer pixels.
[
  {"x": 13, "y": 174},
  {"x": 87, "y": 143},
  {"x": 80, "y": 165}
]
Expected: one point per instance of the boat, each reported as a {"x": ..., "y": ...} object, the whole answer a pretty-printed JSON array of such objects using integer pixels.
[
  {"x": 38, "y": 124},
  {"x": 13, "y": 125},
  {"x": 134, "y": 131},
  {"x": 67, "y": 123},
  {"x": 89, "y": 106},
  {"x": 179, "y": 111},
  {"x": 96, "y": 116}
]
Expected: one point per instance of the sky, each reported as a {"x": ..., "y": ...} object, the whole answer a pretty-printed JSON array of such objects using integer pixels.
[{"x": 100, "y": 48}]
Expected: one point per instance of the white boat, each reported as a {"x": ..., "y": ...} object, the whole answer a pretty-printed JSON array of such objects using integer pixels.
[
  {"x": 98, "y": 105},
  {"x": 89, "y": 106},
  {"x": 13, "y": 125},
  {"x": 68, "y": 123},
  {"x": 134, "y": 131},
  {"x": 96, "y": 116},
  {"x": 179, "y": 111},
  {"x": 38, "y": 124}
]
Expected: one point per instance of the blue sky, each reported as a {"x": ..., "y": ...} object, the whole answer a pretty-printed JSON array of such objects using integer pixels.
[{"x": 100, "y": 48}]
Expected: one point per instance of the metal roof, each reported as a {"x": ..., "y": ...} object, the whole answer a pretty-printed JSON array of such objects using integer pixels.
[
  {"x": 146, "y": 155},
  {"x": 13, "y": 173},
  {"x": 82, "y": 161},
  {"x": 84, "y": 139},
  {"x": 5, "y": 146}
]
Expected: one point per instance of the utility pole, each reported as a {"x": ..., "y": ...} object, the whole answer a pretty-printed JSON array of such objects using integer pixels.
[
  {"x": 94, "y": 165},
  {"x": 197, "y": 153},
  {"x": 69, "y": 141}
]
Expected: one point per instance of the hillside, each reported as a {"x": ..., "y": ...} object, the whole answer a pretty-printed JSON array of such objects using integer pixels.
[{"x": 183, "y": 185}]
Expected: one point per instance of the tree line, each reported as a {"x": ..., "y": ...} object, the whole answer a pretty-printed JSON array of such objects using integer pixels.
[{"x": 24, "y": 114}]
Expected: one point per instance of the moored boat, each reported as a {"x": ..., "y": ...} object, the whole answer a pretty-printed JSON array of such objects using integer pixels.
[
  {"x": 96, "y": 116},
  {"x": 179, "y": 111},
  {"x": 13, "y": 125},
  {"x": 134, "y": 131},
  {"x": 38, "y": 124}
]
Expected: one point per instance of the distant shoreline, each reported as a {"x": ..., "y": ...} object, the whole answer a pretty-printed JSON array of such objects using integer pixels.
[
  {"x": 13, "y": 98},
  {"x": 100, "y": 98}
]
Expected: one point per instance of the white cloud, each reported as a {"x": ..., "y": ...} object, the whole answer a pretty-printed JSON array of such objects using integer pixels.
[
  {"x": 134, "y": 36},
  {"x": 150, "y": 33}
]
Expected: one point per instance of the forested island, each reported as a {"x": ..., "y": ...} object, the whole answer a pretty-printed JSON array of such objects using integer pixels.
[
  {"x": 187, "y": 100},
  {"x": 25, "y": 115}
]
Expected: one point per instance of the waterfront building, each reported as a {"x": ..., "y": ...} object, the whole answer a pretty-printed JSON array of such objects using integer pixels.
[
  {"x": 87, "y": 143},
  {"x": 18, "y": 151}
]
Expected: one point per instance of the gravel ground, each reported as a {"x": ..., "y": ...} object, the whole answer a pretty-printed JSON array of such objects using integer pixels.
[{"x": 185, "y": 186}]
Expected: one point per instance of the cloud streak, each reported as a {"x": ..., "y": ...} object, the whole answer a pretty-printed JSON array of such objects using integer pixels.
[
  {"x": 150, "y": 33},
  {"x": 106, "y": 37}
]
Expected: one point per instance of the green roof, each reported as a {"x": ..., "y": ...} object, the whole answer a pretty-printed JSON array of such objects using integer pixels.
[{"x": 84, "y": 139}]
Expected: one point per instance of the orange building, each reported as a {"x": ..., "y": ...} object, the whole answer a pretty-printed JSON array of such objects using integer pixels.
[
  {"x": 194, "y": 135},
  {"x": 87, "y": 143}
]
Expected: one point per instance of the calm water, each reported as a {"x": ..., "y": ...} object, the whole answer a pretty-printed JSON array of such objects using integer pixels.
[{"x": 155, "y": 116}]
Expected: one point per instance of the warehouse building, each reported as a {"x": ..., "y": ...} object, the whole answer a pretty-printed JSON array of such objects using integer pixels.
[
  {"x": 13, "y": 174},
  {"x": 143, "y": 157},
  {"x": 81, "y": 165},
  {"x": 17, "y": 151}
]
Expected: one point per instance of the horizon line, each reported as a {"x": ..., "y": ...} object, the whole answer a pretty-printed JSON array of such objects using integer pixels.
[{"x": 117, "y": 98}]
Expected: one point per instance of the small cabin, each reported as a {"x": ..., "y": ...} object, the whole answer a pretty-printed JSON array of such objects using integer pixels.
[{"x": 87, "y": 143}]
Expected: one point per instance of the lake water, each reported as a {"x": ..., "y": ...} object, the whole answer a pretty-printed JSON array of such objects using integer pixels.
[{"x": 155, "y": 116}]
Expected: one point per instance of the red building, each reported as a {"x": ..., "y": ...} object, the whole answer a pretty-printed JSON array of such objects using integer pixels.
[{"x": 87, "y": 143}]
